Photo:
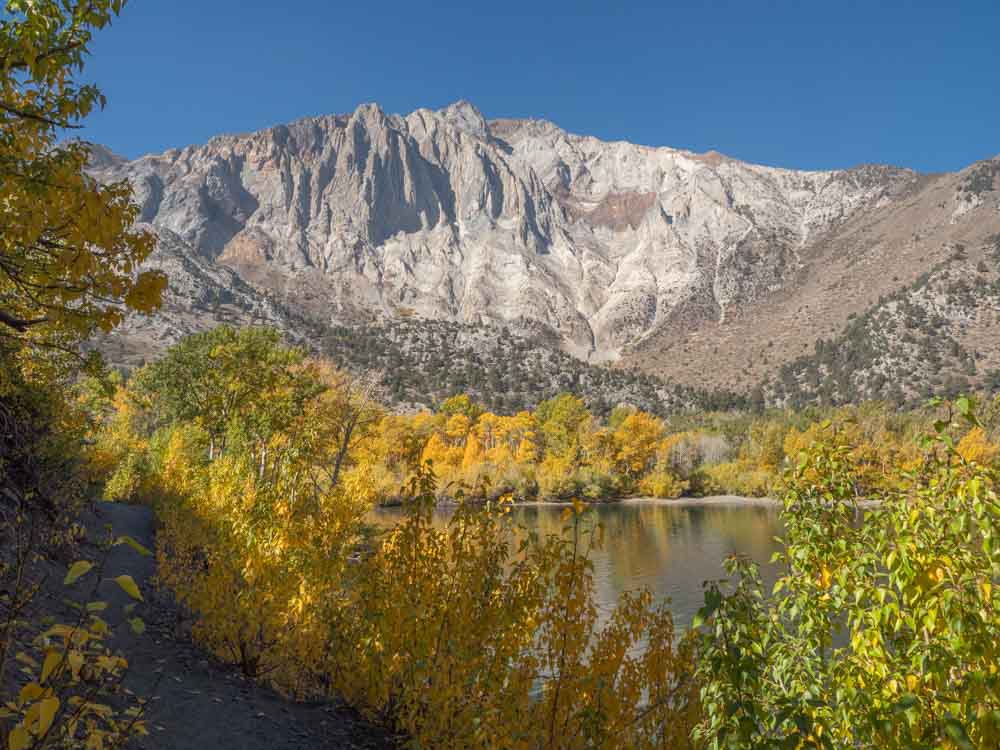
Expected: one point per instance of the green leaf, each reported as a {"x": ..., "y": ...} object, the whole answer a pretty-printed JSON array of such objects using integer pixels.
[
  {"x": 963, "y": 405},
  {"x": 138, "y": 626},
  {"x": 956, "y": 732},
  {"x": 699, "y": 619},
  {"x": 77, "y": 570}
]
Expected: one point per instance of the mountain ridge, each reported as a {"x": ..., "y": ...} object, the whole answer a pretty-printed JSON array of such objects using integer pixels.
[{"x": 620, "y": 253}]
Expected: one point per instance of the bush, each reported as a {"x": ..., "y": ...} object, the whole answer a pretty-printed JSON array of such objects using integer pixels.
[
  {"x": 882, "y": 631},
  {"x": 480, "y": 634},
  {"x": 735, "y": 478},
  {"x": 663, "y": 485},
  {"x": 467, "y": 638}
]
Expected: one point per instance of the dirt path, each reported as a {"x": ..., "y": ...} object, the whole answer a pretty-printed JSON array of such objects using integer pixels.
[{"x": 196, "y": 701}]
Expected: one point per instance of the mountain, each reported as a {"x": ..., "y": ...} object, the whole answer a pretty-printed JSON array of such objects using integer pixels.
[{"x": 697, "y": 268}]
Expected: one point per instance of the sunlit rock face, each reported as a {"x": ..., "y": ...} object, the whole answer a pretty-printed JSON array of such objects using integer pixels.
[{"x": 446, "y": 215}]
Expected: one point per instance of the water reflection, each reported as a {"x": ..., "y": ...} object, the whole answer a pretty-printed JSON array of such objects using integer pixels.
[{"x": 670, "y": 548}]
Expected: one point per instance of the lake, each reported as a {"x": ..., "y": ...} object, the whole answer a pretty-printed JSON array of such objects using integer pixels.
[{"x": 669, "y": 547}]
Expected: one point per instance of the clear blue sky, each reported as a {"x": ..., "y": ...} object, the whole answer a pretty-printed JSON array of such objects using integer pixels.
[{"x": 810, "y": 84}]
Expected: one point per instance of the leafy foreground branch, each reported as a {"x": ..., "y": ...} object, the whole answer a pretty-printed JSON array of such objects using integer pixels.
[
  {"x": 883, "y": 633},
  {"x": 69, "y": 266}
]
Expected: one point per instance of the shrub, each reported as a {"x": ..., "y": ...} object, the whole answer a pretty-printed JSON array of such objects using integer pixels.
[
  {"x": 735, "y": 478},
  {"x": 663, "y": 485},
  {"x": 882, "y": 631},
  {"x": 481, "y": 635}
]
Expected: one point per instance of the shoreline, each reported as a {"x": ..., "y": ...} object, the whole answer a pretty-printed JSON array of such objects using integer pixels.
[
  {"x": 763, "y": 502},
  {"x": 708, "y": 500},
  {"x": 740, "y": 501}
]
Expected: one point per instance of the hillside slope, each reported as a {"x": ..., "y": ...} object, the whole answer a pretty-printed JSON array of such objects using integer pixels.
[{"x": 947, "y": 226}]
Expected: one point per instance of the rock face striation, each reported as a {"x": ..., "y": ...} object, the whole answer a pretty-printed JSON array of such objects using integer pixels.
[{"x": 608, "y": 249}]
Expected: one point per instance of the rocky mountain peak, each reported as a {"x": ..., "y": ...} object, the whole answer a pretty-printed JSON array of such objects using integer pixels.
[
  {"x": 465, "y": 116},
  {"x": 102, "y": 157},
  {"x": 445, "y": 215}
]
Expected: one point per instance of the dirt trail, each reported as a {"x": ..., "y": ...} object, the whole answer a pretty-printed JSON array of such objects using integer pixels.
[{"x": 196, "y": 701}]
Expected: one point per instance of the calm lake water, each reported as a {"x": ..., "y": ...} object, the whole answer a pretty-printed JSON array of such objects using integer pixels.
[{"x": 669, "y": 547}]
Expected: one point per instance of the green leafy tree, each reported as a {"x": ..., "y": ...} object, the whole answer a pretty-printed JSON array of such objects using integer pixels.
[
  {"x": 561, "y": 419},
  {"x": 218, "y": 379},
  {"x": 461, "y": 404}
]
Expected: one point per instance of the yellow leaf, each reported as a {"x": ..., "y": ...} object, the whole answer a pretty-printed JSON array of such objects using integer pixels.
[
  {"x": 76, "y": 570},
  {"x": 52, "y": 660},
  {"x": 825, "y": 577},
  {"x": 61, "y": 631},
  {"x": 101, "y": 709},
  {"x": 30, "y": 692},
  {"x": 75, "y": 663},
  {"x": 47, "y": 714},
  {"x": 129, "y": 587},
  {"x": 19, "y": 739}
]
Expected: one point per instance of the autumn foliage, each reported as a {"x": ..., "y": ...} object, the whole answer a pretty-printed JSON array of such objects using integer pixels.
[{"x": 480, "y": 634}]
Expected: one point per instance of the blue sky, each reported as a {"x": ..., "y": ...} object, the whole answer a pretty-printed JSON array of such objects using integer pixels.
[{"x": 800, "y": 84}]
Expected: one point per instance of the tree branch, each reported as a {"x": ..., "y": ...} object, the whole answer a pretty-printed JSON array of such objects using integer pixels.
[
  {"x": 19, "y": 324},
  {"x": 36, "y": 117}
]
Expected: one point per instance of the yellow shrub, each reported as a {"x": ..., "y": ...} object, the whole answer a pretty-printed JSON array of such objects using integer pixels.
[
  {"x": 663, "y": 484},
  {"x": 256, "y": 562},
  {"x": 478, "y": 635},
  {"x": 738, "y": 478},
  {"x": 557, "y": 477},
  {"x": 468, "y": 639},
  {"x": 976, "y": 447}
]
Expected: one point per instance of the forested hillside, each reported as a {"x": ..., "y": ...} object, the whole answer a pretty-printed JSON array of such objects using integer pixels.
[{"x": 423, "y": 362}]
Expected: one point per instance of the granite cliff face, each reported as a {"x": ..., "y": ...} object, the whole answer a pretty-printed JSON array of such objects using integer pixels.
[
  {"x": 458, "y": 218},
  {"x": 606, "y": 249}
]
